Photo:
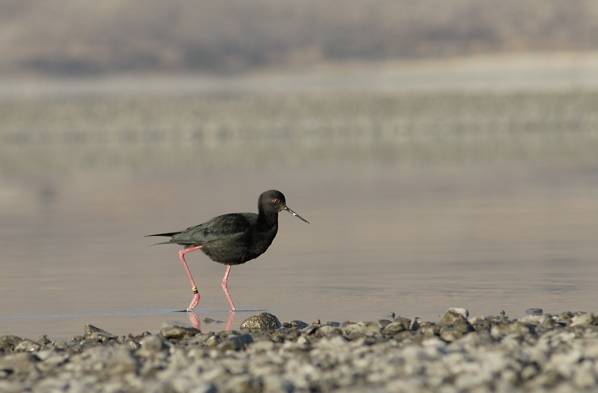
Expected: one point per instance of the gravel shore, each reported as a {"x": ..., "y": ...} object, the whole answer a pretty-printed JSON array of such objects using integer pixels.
[{"x": 459, "y": 353}]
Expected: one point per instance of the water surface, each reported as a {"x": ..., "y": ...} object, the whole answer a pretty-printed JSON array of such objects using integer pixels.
[{"x": 417, "y": 204}]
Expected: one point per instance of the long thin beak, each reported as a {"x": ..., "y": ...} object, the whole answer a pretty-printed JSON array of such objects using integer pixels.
[{"x": 295, "y": 214}]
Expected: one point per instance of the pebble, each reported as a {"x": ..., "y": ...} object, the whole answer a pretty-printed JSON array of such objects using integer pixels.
[
  {"x": 27, "y": 346},
  {"x": 459, "y": 310},
  {"x": 297, "y": 324},
  {"x": 394, "y": 328},
  {"x": 152, "y": 344},
  {"x": 454, "y": 324},
  {"x": 534, "y": 311},
  {"x": 9, "y": 342},
  {"x": 584, "y": 320},
  {"x": 539, "y": 352},
  {"x": 328, "y": 330},
  {"x": 95, "y": 333},
  {"x": 263, "y": 321},
  {"x": 236, "y": 342},
  {"x": 177, "y": 332},
  {"x": 17, "y": 364}
]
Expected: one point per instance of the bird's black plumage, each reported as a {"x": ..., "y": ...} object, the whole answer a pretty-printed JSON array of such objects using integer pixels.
[{"x": 236, "y": 238}]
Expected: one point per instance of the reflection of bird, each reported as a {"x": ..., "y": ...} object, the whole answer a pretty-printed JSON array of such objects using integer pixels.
[
  {"x": 195, "y": 320},
  {"x": 232, "y": 239}
]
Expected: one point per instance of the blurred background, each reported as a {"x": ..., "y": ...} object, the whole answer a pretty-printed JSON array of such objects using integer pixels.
[{"x": 445, "y": 153}]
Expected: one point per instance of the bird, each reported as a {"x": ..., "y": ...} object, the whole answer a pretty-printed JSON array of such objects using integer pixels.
[{"x": 231, "y": 239}]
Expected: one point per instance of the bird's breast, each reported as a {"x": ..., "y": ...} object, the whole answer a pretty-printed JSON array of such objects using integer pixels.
[{"x": 261, "y": 241}]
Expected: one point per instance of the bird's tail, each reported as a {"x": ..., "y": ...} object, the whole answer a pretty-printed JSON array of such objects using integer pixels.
[{"x": 163, "y": 234}]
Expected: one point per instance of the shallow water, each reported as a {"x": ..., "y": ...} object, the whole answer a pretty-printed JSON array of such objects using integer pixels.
[
  {"x": 467, "y": 217},
  {"x": 382, "y": 240}
]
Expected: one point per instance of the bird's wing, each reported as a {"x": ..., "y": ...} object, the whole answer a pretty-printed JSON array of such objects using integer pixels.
[{"x": 227, "y": 225}]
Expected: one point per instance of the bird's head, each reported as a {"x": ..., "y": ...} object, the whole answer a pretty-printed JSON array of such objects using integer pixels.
[{"x": 274, "y": 201}]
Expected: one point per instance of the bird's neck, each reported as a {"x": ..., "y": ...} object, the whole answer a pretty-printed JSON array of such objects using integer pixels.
[{"x": 267, "y": 220}]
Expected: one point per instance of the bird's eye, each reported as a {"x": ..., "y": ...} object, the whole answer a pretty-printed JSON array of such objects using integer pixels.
[{"x": 275, "y": 201}]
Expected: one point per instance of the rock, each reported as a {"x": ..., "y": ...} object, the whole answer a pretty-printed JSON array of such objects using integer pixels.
[
  {"x": 567, "y": 315},
  {"x": 262, "y": 346},
  {"x": 583, "y": 320},
  {"x": 298, "y": 324},
  {"x": 327, "y": 330},
  {"x": 533, "y": 353},
  {"x": 459, "y": 310},
  {"x": 427, "y": 329},
  {"x": 51, "y": 360},
  {"x": 10, "y": 387},
  {"x": 584, "y": 376},
  {"x": 200, "y": 388},
  {"x": 519, "y": 328},
  {"x": 394, "y": 328},
  {"x": 243, "y": 384},
  {"x": 534, "y": 311},
  {"x": 104, "y": 361},
  {"x": 27, "y": 346},
  {"x": 96, "y": 334},
  {"x": 263, "y": 321},
  {"x": 452, "y": 333},
  {"x": 152, "y": 344},
  {"x": 236, "y": 342},
  {"x": 452, "y": 317},
  {"x": 177, "y": 332},
  {"x": 454, "y": 324},
  {"x": 354, "y": 330},
  {"x": 415, "y": 324},
  {"x": 303, "y": 342},
  {"x": 44, "y": 340},
  {"x": 8, "y": 343},
  {"x": 361, "y": 329},
  {"x": 311, "y": 329},
  {"x": 481, "y": 325},
  {"x": 213, "y": 341},
  {"x": 132, "y": 344},
  {"x": 280, "y": 336},
  {"x": 276, "y": 384},
  {"x": 383, "y": 323},
  {"x": 18, "y": 363}
]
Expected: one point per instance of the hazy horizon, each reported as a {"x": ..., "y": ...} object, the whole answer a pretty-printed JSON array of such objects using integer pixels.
[{"x": 57, "y": 38}]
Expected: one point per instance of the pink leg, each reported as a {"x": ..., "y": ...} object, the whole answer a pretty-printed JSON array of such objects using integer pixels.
[
  {"x": 229, "y": 299},
  {"x": 195, "y": 320},
  {"x": 182, "y": 253},
  {"x": 229, "y": 322}
]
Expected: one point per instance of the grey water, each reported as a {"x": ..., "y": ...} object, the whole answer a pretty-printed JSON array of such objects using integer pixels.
[{"x": 413, "y": 222}]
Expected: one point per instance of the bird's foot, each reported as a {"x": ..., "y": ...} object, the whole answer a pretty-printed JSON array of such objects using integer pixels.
[
  {"x": 195, "y": 320},
  {"x": 229, "y": 321},
  {"x": 194, "y": 302}
]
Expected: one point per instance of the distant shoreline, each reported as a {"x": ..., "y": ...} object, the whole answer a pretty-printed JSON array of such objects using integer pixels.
[{"x": 526, "y": 71}]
